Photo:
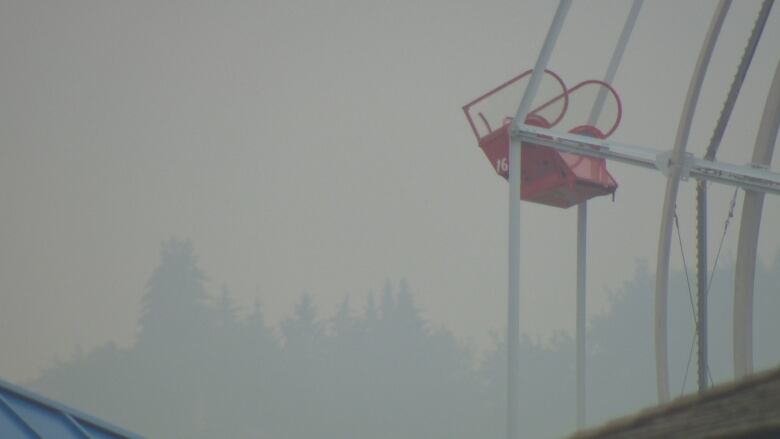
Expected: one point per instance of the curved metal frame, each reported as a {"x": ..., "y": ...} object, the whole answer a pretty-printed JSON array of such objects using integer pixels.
[
  {"x": 567, "y": 97},
  {"x": 670, "y": 199},
  {"x": 511, "y": 81},
  {"x": 701, "y": 195},
  {"x": 748, "y": 235},
  {"x": 617, "y": 100}
]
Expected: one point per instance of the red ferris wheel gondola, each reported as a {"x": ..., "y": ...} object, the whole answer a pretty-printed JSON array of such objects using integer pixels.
[{"x": 548, "y": 176}]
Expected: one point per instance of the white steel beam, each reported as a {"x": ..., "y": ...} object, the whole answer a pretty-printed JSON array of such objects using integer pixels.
[
  {"x": 750, "y": 177},
  {"x": 513, "y": 287},
  {"x": 581, "y": 316},
  {"x": 582, "y": 220}
]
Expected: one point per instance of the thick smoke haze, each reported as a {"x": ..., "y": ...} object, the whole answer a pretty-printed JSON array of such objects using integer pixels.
[{"x": 320, "y": 148}]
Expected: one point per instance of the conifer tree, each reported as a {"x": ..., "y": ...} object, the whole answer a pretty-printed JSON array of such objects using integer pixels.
[{"x": 174, "y": 307}]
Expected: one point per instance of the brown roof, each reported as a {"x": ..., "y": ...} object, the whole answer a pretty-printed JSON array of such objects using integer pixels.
[{"x": 748, "y": 408}]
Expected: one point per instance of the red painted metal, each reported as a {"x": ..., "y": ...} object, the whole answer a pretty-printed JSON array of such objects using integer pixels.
[
  {"x": 524, "y": 75},
  {"x": 578, "y": 88},
  {"x": 549, "y": 177}
]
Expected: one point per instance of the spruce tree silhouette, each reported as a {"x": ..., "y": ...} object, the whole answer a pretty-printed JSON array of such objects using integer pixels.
[
  {"x": 174, "y": 350},
  {"x": 174, "y": 312}
]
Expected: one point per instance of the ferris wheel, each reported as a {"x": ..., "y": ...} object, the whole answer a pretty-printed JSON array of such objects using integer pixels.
[{"x": 556, "y": 155}]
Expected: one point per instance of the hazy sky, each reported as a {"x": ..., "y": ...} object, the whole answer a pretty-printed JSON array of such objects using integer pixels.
[{"x": 319, "y": 147}]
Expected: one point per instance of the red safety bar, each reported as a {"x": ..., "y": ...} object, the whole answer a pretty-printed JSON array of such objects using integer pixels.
[{"x": 548, "y": 176}]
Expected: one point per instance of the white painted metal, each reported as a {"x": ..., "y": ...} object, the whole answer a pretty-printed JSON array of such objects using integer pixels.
[
  {"x": 614, "y": 63},
  {"x": 676, "y": 165},
  {"x": 591, "y": 147},
  {"x": 513, "y": 295},
  {"x": 670, "y": 200},
  {"x": 582, "y": 228},
  {"x": 582, "y": 220},
  {"x": 749, "y": 177},
  {"x": 748, "y": 235},
  {"x": 701, "y": 194}
]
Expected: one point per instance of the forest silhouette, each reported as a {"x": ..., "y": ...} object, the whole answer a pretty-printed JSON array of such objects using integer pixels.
[{"x": 197, "y": 370}]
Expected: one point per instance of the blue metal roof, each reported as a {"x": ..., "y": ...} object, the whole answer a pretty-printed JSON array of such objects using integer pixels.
[{"x": 24, "y": 414}]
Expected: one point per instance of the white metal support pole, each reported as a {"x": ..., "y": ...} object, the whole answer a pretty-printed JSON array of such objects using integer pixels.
[
  {"x": 582, "y": 220},
  {"x": 513, "y": 295},
  {"x": 582, "y": 228}
]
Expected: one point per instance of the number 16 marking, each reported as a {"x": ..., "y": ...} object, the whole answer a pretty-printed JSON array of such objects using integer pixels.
[{"x": 502, "y": 165}]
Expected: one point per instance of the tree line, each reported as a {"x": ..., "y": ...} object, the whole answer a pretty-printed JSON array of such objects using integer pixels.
[{"x": 197, "y": 370}]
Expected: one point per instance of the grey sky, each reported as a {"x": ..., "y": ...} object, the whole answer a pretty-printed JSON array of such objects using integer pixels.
[{"x": 320, "y": 147}]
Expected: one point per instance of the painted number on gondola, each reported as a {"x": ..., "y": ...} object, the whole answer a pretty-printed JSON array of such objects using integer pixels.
[{"x": 502, "y": 165}]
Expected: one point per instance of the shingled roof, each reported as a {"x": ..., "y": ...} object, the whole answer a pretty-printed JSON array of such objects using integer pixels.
[{"x": 748, "y": 408}]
